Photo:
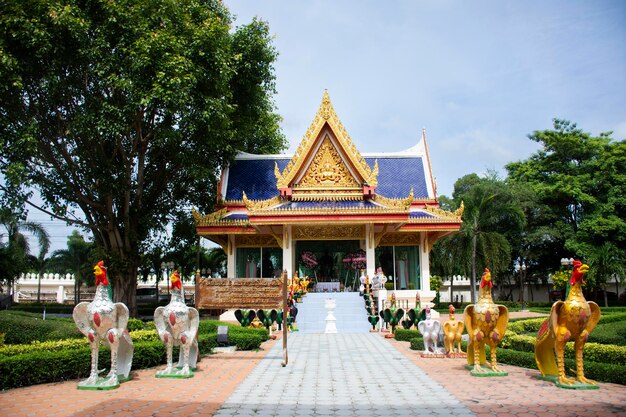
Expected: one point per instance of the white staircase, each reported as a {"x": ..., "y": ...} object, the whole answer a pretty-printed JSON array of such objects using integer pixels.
[{"x": 349, "y": 312}]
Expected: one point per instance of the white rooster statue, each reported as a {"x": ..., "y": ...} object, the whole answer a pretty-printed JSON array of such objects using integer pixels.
[
  {"x": 177, "y": 325},
  {"x": 99, "y": 320},
  {"x": 430, "y": 329}
]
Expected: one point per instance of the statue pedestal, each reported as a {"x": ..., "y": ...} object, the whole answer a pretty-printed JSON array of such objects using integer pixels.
[{"x": 331, "y": 326}]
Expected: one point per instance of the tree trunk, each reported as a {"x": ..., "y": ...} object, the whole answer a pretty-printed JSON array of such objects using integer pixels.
[
  {"x": 125, "y": 286},
  {"x": 606, "y": 298},
  {"x": 473, "y": 276}
]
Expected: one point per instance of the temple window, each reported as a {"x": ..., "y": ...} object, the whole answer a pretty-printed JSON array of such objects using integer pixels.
[
  {"x": 258, "y": 262},
  {"x": 402, "y": 264}
]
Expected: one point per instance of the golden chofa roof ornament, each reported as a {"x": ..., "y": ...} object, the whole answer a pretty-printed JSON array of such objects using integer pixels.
[
  {"x": 456, "y": 215},
  {"x": 326, "y": 127}
]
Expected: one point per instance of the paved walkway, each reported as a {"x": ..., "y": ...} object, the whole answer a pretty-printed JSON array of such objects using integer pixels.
[{"x": 340, "y": 375}]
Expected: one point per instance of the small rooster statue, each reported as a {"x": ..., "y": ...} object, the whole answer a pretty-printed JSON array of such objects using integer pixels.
[
  {"x": 430, "y": 329},
  {"x": 392, "y": 316},
  {"x": 103, "y": 320},
  {"x": 177, "y": 325},
  {"x": 452, "y": 332},
  {"x": 486, "y": 323},
  {"x": 570, "y": 320}
]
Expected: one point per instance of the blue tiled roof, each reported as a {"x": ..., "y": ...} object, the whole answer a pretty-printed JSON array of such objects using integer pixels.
[
  {"x": 326, "y": 205},
  {"x": 236, "y": 216},
  {"x": 396, "y": 176},
  {"x": 419, "y": 215},
  {"x": 255, "y": 177}
]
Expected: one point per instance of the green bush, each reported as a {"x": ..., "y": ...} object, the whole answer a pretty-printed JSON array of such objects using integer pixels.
[
  {"x": 525, "y": 326},
  {"x": 1, "y": 340},
  {"x": 37, "y": 367},
  {"x": 135, "y": 324},
  {"x": 594, "y": 352},
  {"x": 417, "y": 343},
  {"x": 404, "y": 335},
  {"x": 605, "y": 372},
  {"x": 51, "y": 308},
  {"x": 609, "y": 333},
  {"x": 22, "y": 327}
]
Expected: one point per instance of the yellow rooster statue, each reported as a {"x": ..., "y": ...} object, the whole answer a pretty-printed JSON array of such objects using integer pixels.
[
  {"x": 486, "y": 323},
  {"x": 570, "y": 320}
]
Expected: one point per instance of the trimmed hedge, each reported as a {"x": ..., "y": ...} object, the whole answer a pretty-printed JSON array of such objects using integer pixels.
[
  {"x": 51, "y": 366},
  {"x": 22, "y": 327},
  {"x": 417, "y": 343},
  {"x": 404, "y": 335},
  {"x": 611, "y": 333}
]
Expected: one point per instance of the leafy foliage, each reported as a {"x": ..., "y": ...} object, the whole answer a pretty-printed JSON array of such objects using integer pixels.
[
  {"x": 122, "y": 113},
  {"x": 580, "y": 211},
  {"x": 24, "y": 327}
]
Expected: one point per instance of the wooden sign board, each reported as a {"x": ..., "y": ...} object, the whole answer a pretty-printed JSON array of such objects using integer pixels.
[{"x": 252, "y": 293}]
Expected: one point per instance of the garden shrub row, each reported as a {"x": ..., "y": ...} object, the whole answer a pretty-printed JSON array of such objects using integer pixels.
[
  {"x": 601, "y": 371},
  {"x": 37, "y": 367},
  {"x": 21, "y": 327},
  {"x": 404, "y": 335},
  {"x": 594, "y": 352}
]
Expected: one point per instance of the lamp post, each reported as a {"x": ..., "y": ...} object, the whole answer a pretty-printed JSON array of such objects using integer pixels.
[{"x": 521, "y": 268}]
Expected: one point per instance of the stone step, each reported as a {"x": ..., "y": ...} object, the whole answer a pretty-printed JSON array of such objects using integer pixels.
[{"x": 349, "y": 312}]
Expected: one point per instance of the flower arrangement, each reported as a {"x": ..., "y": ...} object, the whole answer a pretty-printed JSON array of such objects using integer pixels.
[
  {"x": 309, "y": 259},
  {"x": 355, "y": 260}
]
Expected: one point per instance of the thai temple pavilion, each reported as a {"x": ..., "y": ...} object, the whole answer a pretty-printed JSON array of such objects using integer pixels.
[{"x": 329, "y": 210}]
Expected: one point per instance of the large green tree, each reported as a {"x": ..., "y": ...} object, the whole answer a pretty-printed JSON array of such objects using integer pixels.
[
  {"x": 121, "y": 113},
  {"x": 490, "y": 214},
  {"x": 579, "y": 183}
]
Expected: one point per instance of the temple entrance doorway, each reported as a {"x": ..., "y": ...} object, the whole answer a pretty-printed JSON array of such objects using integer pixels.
[{"x": 331, "y": 265}]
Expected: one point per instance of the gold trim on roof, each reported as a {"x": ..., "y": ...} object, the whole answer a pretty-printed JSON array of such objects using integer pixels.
[
  {"x": 257, "y": 205},
  {"x": 330, "y": 210},
  {"x": 325, "y": 232},
  {"x": 326, "y": 114},
  {"x": 456, "y": 215},
  {"x": 216, "y": 219},
  {"x": 401, "y": 203}
]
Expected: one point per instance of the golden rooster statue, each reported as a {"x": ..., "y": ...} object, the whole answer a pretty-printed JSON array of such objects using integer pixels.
[
  {"x": 486, "y": 323},
  {"x": 570, "y": 320},
  {"x": 452, "y": 332}
]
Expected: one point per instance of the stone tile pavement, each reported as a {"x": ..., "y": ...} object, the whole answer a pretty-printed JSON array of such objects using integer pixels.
[
  {"x": 328, "y": 375},
  {"x": 519, "y": 394}
]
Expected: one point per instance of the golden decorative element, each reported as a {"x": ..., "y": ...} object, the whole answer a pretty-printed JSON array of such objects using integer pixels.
[
  {"x": 327, "y": 170},
  {"x": 326, "y": 116},
  {"x": 328, "y": 195},
  {"x": 486, "y": 324},
  {"x": 380, "y": 236},
  {"x": 459, "y": 212},
  {"x": 570, "y": 320},
  {"x": 224, "y": 293},
  {"x": 279, "y": 239},
  {"x": 401, "y": 203},
  {"x": 255, "y": 205},
  {"x": 326, "y": 211},
  {"x": 446, "y": 214},
  {"x": 400, "y": 239},
  {"x": 255, "y": 241},
  {"x": 328, "y": 232}
]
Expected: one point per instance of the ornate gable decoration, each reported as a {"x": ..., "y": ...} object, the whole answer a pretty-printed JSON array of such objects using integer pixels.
[{"x": 326, "y": 168}]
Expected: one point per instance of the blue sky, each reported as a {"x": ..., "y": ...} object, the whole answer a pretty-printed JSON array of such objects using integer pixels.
[{"x": 479, "y": 76}]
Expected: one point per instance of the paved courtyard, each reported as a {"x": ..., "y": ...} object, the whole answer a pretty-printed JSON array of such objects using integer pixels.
[{"x": 327, "y": 375}]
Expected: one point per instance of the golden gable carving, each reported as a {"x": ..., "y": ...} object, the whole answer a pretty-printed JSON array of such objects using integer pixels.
[
  {"x": 327, "y": 170},
  {"x": 326, "y": 115}
]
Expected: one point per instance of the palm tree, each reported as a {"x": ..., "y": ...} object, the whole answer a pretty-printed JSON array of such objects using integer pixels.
[
  {"x": 604, "y": 262},
  {"x": 14, "y": 245},
  {"x": 490, "y": 212},
  {"x": 76, "y": 258}
]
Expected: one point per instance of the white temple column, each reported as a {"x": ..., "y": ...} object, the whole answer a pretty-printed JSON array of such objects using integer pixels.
[
  {"x": 370, "y": 250},
  {"x": 288, "y": 251},
  {"x": 424, "y": 264},
  {"x": 230, "y": 253}
]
